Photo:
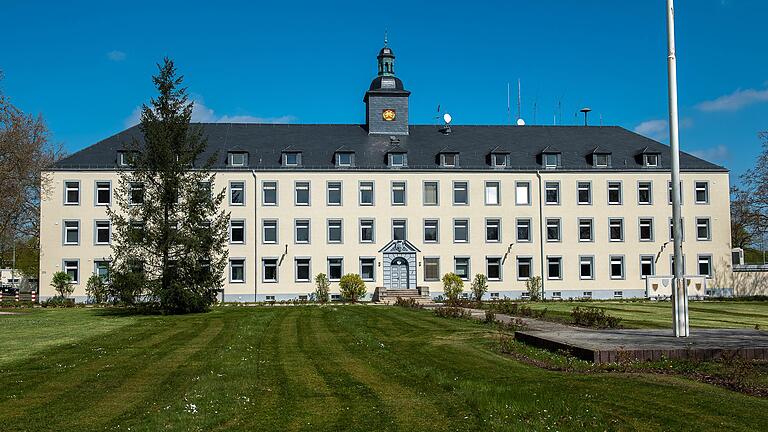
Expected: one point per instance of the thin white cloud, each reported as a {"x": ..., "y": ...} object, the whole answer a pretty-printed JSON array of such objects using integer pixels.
[
  {"x": 735, "y": 101},
  {"x": 718, "y": 153},
  {"x": 116, "y": 55},
  {"x": 654, "y": 129},
  {"x": 203, "y": 114}
]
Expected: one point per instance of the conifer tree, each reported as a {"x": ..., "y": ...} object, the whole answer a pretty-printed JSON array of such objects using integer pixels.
[{"x": 169, "y": 231}]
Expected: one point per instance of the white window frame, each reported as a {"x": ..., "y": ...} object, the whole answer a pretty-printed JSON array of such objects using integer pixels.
[
  {"x": 588, "y": 188},
  {"x": 351, "y": 159},
  {"x": 296, "y": 269},
  {"x": 234, "y": 163},
  {"x": 66, "y": 229},
  {"x": 365, "y": 260},
  {"x": 490, "y": 222},
  {"x": 436, "y": 227},
  {"x": 498, "y": 259},
  {"x": 334, "y": 224},
  {"x": 360, "y": 189},
  {"x": 333, "y": 260},
  {"x": 526, "y": 187},
  {"x": 404, "y": 226},
  {"x": 72, "y": 185},
  {"x": 235, "y": 185},
  {"x": 308, "y": 226},
  {"x": 98, "y": 186},
  {"x": 705, "y": 222},
  {"x": 97, "y": 228},
  {"x": 529, "y": 222},
  {"x": 65, "y": 267},
  {"x": 232, "y": 265},
  {"x": 642, "y": 185},
  {"x": 424, "y": 193},
  {"x": 398, "y": 186},
  {"x": 647, "y": 259},
  {"x": 333, "y": 185},
  {"x": 696, "y": 190},
  {"x": 456, "y": 226},
  {"x": 456, "y": 260},
  {"x": 433, "y": 259},
  {"x": 362, "y": 222},
  {"x": 621, "y": 260},
  {"x": 640, "y": 222},
  {"x": 457, "y": 187},
  {"x": 553, "y": 222},
  {"x": 302, "y": 185},
  {"x": 240, "y": 225},
  {"x": 551, "y": 186},
  {"x": 491, "y": 185},
  {"x": 612, "y": 184},
  {"x": 521, "y": 261},
  {"x": 273, "y": 224},
  {"x": 588, "y": 259},
  {"x": 559, "y": 260},
  {"x": 591, "y": 223},
  {"x": 264, "y": 269},
  {"x": 269, "y": 185},
  {"x": 621, "y": 226}
]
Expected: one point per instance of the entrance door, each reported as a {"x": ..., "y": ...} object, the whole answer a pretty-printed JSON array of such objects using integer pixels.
[{"x": 399, "y": 273}]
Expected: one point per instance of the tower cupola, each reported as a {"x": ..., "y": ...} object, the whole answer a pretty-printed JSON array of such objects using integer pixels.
[{"x": 386, "y": 101}]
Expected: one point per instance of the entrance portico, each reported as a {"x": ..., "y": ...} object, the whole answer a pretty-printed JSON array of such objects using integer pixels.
[{"x": 399, "y": 258}]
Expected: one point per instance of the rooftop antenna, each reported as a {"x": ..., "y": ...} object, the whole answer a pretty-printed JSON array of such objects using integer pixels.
[
  {"x": 520, "y": 121},
  {"x": 509, "y": 112},
  {"x": 446, "y": 129},
  {"x": 534, "y": 111},
  {"x": 586, "y": 111}
]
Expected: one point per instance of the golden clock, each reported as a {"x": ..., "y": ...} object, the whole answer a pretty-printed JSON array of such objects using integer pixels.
[{"x": 388, "y": 114}]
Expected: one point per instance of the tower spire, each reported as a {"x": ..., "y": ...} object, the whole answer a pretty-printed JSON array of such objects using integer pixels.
[{"x": 385, "y": 37}]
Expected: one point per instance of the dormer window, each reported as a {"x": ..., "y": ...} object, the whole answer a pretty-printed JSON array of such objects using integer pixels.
[
  {"x": 551, "y": 160},
  {"x": 498, "y": 160},
  {"x": 398, "y": 160},
  {"x": 291, "y": 159},
  {"x": 345, "y": 159},
  {"x": 601, "y": 160},
  {"x": 126, "y": 158},
  {"x": 651, "y": 160},
  {"x": 238, "y": 159},
  {"x": 449, "y": 160}
]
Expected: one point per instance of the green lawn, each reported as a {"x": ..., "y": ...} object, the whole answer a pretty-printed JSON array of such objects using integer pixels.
[
  {"x": 362, "y": 368},
  {"x": 647, "y": 314}
]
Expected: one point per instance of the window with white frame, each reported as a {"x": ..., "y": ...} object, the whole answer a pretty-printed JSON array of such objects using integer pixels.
[
  {"x": 646, "y": 229},
  {"x": 237, "y": 270},
  {"x": 449, "y": 160},
  {"x": 269, "y": 231},
  {"x": 524, "y": 267},
  {"x": 524, "y": 230},
  {"x": 460, "y": 193},
  {"x": 301, "y": 231},
  {"x": 551, "y": 160},
  {"x": 71, "y": 232},
  {"x": 705, "y": 265},
  {"x": 366, "y": 193},
  {"x": 702, "y": 192},
  {"x": 553, "y": 230},
  {"x": 498, "y": 160},
  {"x": 493, "y": 268},
  {"x": 301, "y": 194},
  {"x": 431, "y": 268},
  {"x": 344, "y": 159},
  {"x": 269, "y": 193},
  {"x": 584, "y": 193},
  {"x": 615, "y": 230},
  {"x": 398, "y": 193},
  {"x": 269, "y": 269},
  {"x": 303, "y": 272},
  {"x": 103, "y": 193},
  {"x": 366, "y": 231},
  {"x": 431, "y": 196},
  {"x": 492, "y": 193},
  {"x": 586, "y": 267},
  {"x": 554, "y": 267},
  {"x": 368, "y": 269},
  {"x": 602, "y": 160},
  {"x": 398, "y": 160},
  {"x": 71, "y": 193},
  {"x": 238, "y": 159},
  {"x": 103, "y": 232},
  {"x": 237, "y": 231},
  {"x": 614, "y": 193},
  {"x": 72, "y": 269},
  {"x": 702, "y": 229},
  {"x": 335, "y": 268},
  {"x": 617, "y": 267},
  {"x": 136, "y": 193},
  {"x": 291, "y": 159},
  {"x": 399, "y": 229},
  {"x": 126, "y": 158},
  {"x": 586, "y": 230},
  {"x": 431, "y": 230},
  {"x": 647, "y": 266},
  {"x": 460, "y": 230},
  {"x": 493, "y": 230},
  {"x": 522, "y": 193},
  {"x": 334, "y": 231},
  {"x": 237, "y": 193},
  {"x": 334, "y": 193},
  {"x": 644, "y": 193},
  {"x": 551, "y": 193},
  {"x": 101, "y": 268},
  {"x": 461, "y": 267},
  {"x": 651, "y": 160}
]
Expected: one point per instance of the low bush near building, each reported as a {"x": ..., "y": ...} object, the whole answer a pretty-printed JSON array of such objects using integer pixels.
[
  {"x": 452, "y": 287},
  {"x": 594, "y": 317},
  {"x": 352, "y": 287},
  {"x": 452, "y": 312},
  {"x": 508, "y": 307},
  {"x": 58, "y": 301},
  {"x": 408, "y": 303},
  {"x": 322, "y": 286}
]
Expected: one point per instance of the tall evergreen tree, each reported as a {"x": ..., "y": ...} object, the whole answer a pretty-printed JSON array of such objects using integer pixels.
[{"x": 170, "y": 231}]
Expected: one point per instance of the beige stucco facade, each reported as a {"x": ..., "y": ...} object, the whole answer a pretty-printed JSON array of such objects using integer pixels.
[{"x": 569, "y": 249}]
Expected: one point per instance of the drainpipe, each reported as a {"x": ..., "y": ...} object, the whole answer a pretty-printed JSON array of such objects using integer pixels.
[
  {"x": 256, "y": 230},
  {"x": 542, "y": 226}
]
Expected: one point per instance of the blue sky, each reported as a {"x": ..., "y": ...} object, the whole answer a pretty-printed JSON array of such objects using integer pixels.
[{"x": 86, "y": 66}]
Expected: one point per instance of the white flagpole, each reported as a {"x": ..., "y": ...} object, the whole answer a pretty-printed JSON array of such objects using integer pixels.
[{"x": 679, "y": 292}]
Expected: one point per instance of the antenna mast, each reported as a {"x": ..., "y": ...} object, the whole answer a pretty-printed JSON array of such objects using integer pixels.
[
  {"x": 519, "y": 98},
  {"x": 509, "y": 112}
]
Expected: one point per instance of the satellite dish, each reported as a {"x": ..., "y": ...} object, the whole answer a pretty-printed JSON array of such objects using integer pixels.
[
  {"x": 520, "y": 122},
  {"x": 447, "y": 118}
]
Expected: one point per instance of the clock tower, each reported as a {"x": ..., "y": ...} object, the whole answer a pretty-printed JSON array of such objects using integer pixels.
[{"x": 386, "y": 101}]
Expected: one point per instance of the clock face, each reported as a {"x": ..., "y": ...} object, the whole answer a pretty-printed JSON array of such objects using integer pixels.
[{"x": 388, "y": 114}]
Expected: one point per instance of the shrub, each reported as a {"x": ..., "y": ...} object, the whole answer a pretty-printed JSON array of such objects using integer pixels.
[
  {"x": 452, "y": 286},
  {"x": 508, "y": 307},
  {"x": 96, "y": 289},
  {"x": 126, "y": 287},
  {"x": 58, "y": 301},
  {"x": 409, "y": 303},
  {"x": 593, "y": 317},
  {"x": 533, "y": 285},
  {"x": 490, "y": 316},
  {"x": 352, "y": 287},
  {"x": 452, "y": 312},
  {"x": 322, "y": 286},
  {"x": 62, "y": 283},
  {"x": 479, "y": 286}
]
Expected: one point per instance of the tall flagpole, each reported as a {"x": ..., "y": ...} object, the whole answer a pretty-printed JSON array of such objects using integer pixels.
[{"x": 679, "y": 292}]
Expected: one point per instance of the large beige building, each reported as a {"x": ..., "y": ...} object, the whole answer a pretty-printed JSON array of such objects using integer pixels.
[{"x": 586, "y": 208}]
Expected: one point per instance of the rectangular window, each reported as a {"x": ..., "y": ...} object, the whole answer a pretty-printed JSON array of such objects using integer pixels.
[
  {"x": 616, "y": 230},
  {"x": 303, "y": 273},
  {"x": 524, "y": 230},
  {"x": 449, "y": 159},
  {"x": 553, "y": 230},
  {"x": 430, "y": 193},
  {"x": 101, "y": 269},
  {"x": 71, "y": 232},
  {"x": 617, "y": 267},
  {"x": 644, "y": 193},
  {"x": 586, "y": 267},
  {"x": 702, "y": 192},
  {"x": 72, "y": 268},
  {"x": 102, "y": 230},
  {"x": 493, "y": 230},
  {"x": 585, "y": 230},
  {"x": 334, "y": 193},
  {"x": 460, "y": 193},
  {"x": 551, "y": 160},
  {"x": 237, "y": 231},
  {"x": 431, "y": 268},
  {"x": 397, "y": 160},
  {"x": 237, "y": 159},
  {"x": 302, "y": 193},
  {"x": 302, "y": 231},
  {"x": 399, "y": 229},
  {"x": 335, "y": 268},
  {"x": 71, "y": 193},
  {"x": 705, "y": 265},
  {"x": 292, "y": 159},
  {"x": 269, "y": 193},
  {"x": 344, "y": 159},
  {"x": 651, "y": 160},
  {"x": 366, "y": 231},
  {"x": 334, "y": 231},
  {"x": 269, "y": 269},
  {"x": 602, "y": 160},
  {"x": 646, "y": 229},
  {"x": 461, "y": 267},
  {"x": 237, "y": 270},
  {"x": 368, "y": 269},
  {"x": 103, "y": 193},
  {"x": 460, "y": 231},
  {"x": 647, "y": 266},
  {"x": 614, "y": 193},
  {"x": 492, "y": 193},
  {"x": 493, "y": 268},
  {"x": 398, "y": 193},
  {"x": 554, "y": 267},
  {"x": 552, "y": 193},
  {"x": 366, "y": 193},
  {"x": 499, "y": 160},
  {"x": 702, "y": 229},
  {"x": 136, "y": 194},
  {"x": 522, "y": 193},
  {"x": 524, "y": 267},
  {"x": 269, "y": 231},
  {"x": 237, "y": 193},
  {"x": 431, "y": 231},
  {"x": 584, "y": 193}
]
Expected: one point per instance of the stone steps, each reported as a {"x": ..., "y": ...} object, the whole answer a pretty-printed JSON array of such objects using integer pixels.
[{"x": 390, "y": 296}]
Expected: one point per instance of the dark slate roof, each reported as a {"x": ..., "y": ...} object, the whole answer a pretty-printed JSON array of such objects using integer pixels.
[{"x": 265, "y": 142}]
